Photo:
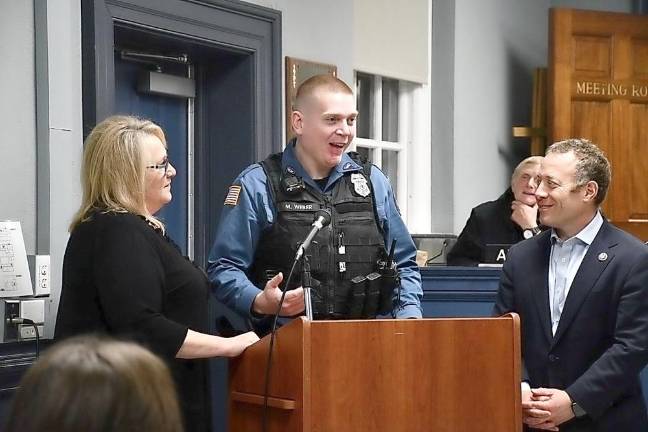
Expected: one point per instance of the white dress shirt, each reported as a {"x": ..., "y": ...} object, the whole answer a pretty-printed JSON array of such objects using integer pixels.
[{"x": 564, "y": 262}]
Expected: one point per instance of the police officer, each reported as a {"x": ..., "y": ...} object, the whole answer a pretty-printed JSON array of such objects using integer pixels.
[{"x": 271, "y": 205}]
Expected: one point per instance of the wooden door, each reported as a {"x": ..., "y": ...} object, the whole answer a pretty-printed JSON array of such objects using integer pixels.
[{"x": 598, "y": 89}]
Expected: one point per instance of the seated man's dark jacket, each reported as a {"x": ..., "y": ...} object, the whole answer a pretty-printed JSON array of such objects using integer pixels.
[{"x": 489, "y": 223}]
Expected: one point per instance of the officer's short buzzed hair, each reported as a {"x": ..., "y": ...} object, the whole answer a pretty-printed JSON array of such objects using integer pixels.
[{"x": 319, "y": 82}]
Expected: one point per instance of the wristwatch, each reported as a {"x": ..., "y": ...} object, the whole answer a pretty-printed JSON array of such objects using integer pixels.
[
  {"x": 577, "y": 409},
  {"x": 530, "y": 232}
]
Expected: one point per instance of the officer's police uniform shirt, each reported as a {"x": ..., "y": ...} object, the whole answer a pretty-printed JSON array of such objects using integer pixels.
[{"x": 249, "y": 209}]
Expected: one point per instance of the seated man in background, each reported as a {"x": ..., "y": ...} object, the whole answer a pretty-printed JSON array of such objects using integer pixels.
[{"x": 507, "y": 220}]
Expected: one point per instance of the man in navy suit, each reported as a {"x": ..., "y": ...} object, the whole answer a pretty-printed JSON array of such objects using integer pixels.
[{"x": 581, "y": 290}]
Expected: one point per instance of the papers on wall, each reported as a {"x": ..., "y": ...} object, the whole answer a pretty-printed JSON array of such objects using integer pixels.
[{"x": 15, "y": 279}]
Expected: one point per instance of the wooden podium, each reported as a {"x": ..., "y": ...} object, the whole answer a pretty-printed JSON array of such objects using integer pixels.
[{"x": 383, "y": 375}]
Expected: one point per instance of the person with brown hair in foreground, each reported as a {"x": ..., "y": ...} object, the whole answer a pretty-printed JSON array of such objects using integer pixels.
[{"x": 91, "y": 384}]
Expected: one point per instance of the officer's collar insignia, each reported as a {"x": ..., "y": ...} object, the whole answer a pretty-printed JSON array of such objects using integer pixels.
[
  {"x": 360, "y": 185},
  {"x": 290, "y": 170}
]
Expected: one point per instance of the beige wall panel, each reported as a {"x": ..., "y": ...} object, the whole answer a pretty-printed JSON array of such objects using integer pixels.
[{"x": 392, "y": 38}]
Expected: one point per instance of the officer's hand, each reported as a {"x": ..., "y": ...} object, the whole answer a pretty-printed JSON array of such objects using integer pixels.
[
  {"x": 267, "y": 301},
  {"x": 525, "y": 216}
]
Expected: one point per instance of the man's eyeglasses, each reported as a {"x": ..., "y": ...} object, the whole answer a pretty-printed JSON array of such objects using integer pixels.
[{"x": 163, "y": 166}]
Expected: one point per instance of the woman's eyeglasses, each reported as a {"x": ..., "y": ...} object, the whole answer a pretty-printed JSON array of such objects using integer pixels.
[{"x": 163, "y": 166}]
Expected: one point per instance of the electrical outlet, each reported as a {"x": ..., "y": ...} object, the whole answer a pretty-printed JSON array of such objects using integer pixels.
[
  {"x": 29, "y": 332},
  {"x": 39, "y": 266}
]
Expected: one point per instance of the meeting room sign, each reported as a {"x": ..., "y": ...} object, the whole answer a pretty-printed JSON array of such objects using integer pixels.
[{"x": 610, "y": 89}]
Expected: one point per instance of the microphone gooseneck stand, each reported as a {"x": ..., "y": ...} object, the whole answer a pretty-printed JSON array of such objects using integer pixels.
[
  {"x": 307, "y": 284},
  {"x": 323, "y": 218}
]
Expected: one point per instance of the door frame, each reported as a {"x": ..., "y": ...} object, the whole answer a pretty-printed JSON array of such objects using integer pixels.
[{"x": 228, "y": 25}]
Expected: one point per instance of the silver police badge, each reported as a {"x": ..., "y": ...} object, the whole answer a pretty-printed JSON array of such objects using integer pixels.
[{"x": 360, "y": 185}]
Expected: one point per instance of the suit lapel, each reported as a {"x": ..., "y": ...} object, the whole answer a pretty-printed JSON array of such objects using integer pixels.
[
  {"x": 539, "y": 284},
  {"x": 588, "y": 273}
]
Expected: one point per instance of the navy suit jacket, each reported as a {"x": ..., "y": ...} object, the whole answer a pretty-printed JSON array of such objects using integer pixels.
[{"x": 601, "y": 343}]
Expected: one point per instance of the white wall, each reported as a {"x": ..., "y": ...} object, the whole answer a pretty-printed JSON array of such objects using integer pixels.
[
  {"x": 391, "y": 38},
  {"x": 18, "y": 117},
  {"x": 498, "y": 43}
]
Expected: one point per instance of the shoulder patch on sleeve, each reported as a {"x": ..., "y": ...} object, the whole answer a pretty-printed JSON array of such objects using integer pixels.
[{"x": 232, "y": 197}]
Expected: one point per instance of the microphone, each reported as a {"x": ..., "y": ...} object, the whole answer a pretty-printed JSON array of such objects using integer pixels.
[
  {"x": 444, "y": 246},
  {"x": 322, "y": 219}
]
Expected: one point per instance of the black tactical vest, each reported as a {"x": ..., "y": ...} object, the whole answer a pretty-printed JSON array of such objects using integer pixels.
[{"x": 352, "y": 275}]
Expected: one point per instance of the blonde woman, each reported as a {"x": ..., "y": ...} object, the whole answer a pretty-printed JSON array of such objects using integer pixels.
[
  {"x": 96, "y": 385},
  {"x": 123, "y": 276}
]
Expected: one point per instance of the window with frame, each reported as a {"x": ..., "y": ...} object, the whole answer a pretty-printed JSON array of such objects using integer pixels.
[{"x": 385, "y": 126}]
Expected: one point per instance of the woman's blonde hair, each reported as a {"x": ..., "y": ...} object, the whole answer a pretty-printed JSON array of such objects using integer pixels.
[
  {"x": 113, "y": 171},
  {"x": 93, "y": 384}
]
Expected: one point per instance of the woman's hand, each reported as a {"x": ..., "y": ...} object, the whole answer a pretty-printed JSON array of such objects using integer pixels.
[
  {"x": 201, "y": 345},
  {"x": 240, "y": 342}
]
